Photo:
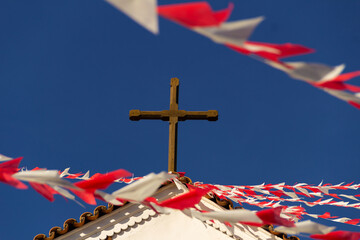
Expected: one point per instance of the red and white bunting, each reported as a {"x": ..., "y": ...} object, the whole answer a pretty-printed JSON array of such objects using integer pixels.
[{"x": 270, "y": 196}]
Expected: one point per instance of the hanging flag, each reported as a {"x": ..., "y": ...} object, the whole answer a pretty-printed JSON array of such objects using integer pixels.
[
  {"x": 352, "y": 99},
  {"x": 143, "y": 188},
  {"x": 97, "y": 181},
  {"x": 50, "y": 177},
  {"x": 194, "y": 14},
  {"x": 271, "y": 51},
  {"x": 7, "y": 170},
  {"x": 337, "y": 83},
  {"x": 308, "y": 72},
  {"x": 108, "y": 198},
  {"x": 141, "y": 11},
  {"x": 305, "y": 227},
  {"x": 86, "y": 196},
  {"x": 47, "y": 183},
  {"x": 66, "y": 174},
  {"x": 232, "y": 33},
  {"x": 273, "y": 216},
  {"x": 4, "y": 158},
  {"x": 102, "y": 181},
  {"x": 319, "y": 75},
  {"x": 182, "y": 201},
  {"x": 44, "y": 190},
  {"x": 338, "y": 235}
]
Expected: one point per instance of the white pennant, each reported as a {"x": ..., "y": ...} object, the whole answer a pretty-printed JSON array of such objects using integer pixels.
[
  {"x": 65, "y": 172},
  {"x": 235, "y": 33},
  {"x": 180, "y": 185},
  {"x": 232, "y": 216},
  {"x": 342, "y": 220},
  {"x": 143, "y": 188},
  {"x": 4, "y": 158},
  {"x": 345, "y": 96},
  {"x": 86, "y": 176},
  {"x": 50, "y": 177},
  {"x": 309, "y": 72},
  {"x": 291, "y": 194},
  {"x": 144, "y": 12},
  {"x": 305, "y": 227},
  {"x": 303, "y": 190},
  {"x": 109, "y": 198}
]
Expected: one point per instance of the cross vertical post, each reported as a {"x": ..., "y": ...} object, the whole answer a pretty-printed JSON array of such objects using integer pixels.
[{"x": 173, "y": 124}]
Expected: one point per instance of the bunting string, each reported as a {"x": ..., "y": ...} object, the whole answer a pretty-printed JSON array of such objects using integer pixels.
[
  {"x": 272, "y": 195},
  {"x": 140, "y": 190},
  {"x": 200, "y": 18}
]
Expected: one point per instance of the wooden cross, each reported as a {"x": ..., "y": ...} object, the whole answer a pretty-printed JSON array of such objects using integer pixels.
[{"x": 173, "y": 115}]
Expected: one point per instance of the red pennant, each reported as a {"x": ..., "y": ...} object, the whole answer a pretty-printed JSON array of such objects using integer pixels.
[
  {"x": 181, "y": 174},
  {"x": 352, "y": 88},
  {"x": 357, "y": 105},
  {"x": 6, "y": 177},
  {"x": 195, "y": 14},
  {"x": 337, "y": 235},
  {"x": 37, "y": 168},
  {"x": 353, "y": 221},
  {"x": 337, "y": 85},
  {"x": 272, "y": 216},
  {"x": 227, "y": 224},
  {"x": 73, "y": 175},
  {"x": 7, "y": 169},
  {"x": 44, "y": 190},
  {"x": 98, "y": 181},
  {"x": 278, "y": 193},
  {"x": 12, "y": 164},
  {"x": 102, "y": 181},
  {"x": 249, "y": 192},
  {"x": 313, "y": 189},
  {"x": 330, "y": 84},
  {"x": 327, "y": 215},
  {"x": 347, "y": 76},
  {"x": 334, "y": 195},
  {"x": 129, "y": 180},
  {"x": 274, "y": 52},
  {"x": 253, "y": 224},
  {"x": 186, "y": 200},
  {"x": 86, "y": 196}
]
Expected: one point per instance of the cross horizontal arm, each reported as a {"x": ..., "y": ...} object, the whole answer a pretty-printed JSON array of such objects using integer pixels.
[{"x": 211, "y": 115}]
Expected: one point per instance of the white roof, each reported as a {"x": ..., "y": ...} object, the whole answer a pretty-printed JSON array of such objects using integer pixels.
[{"x": 135, "y": 222}]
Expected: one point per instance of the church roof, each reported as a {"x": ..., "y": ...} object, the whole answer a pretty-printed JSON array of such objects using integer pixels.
[{"x": 108, "y": 222}]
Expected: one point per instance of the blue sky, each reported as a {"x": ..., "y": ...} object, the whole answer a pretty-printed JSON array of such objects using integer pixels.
[{"x": 71, "y": 70}]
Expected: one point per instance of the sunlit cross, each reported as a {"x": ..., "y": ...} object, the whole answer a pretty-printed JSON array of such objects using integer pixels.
[{"x": 173, "y": 115}]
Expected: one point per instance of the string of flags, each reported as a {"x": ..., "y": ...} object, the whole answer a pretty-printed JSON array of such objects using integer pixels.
[
  {"x": 200, "y": 18},
  {"x": 140, "y": 190},
  {"x": 272, "y": 195}
]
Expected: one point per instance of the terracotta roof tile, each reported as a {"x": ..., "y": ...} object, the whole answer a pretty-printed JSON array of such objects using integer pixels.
[{"x": 71, "y": 223}]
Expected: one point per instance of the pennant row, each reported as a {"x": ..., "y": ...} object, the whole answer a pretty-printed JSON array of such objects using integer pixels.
[
  {"x": 50, "y": 182},
  {"x": 202, "y": 19}
]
